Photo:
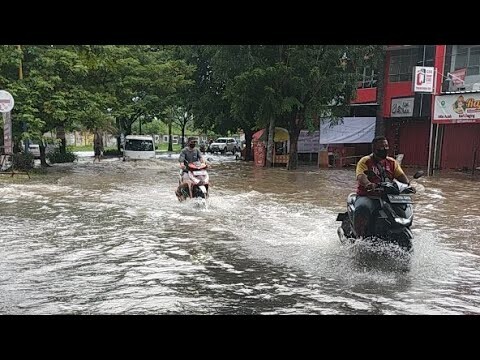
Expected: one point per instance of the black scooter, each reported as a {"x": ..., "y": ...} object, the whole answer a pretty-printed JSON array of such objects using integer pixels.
[{"x": 391, "y": 222}]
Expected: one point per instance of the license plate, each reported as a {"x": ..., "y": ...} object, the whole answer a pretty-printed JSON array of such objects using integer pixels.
[
  {"x": 400, "y": 199},
  {"x": 199, "y": 172}
]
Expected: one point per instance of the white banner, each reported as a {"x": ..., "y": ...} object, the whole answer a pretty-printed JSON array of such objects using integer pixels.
[
  {"x": 353, "y": 130},
  {"x": 457, "y": 108},
  {"x": 308, "y": 143},
  {"x": 423, "y": 79}
]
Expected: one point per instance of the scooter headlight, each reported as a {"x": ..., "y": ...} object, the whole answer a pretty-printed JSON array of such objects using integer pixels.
[{"x": 402, "y": 221}]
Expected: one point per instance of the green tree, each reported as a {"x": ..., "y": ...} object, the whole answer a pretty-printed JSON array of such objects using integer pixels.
[
  {"x": 254, "y": 93},
  {"x": 140, "y": 82},
  {"x": 288, "y": 85},
  {"x": 204, "y": 100},
  {"x": 182, "y": 116},
  {"x": 47, "y": 93}
]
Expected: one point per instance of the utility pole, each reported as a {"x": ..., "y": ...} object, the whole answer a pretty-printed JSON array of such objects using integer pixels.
[
  {"x": 20, "y": 77},
  {"x": 20, "y": 69},
  {"x": 380, "y": 122}
]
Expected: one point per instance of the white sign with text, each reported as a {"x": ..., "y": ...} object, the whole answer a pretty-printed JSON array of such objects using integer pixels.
[
  {"x": 402, "y": 107},
  {"x": 6, "y": 101},
  {"x": 423, "y": 79}
]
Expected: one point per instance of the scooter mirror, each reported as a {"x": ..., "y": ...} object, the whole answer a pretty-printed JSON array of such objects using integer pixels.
[{"x": 418, "y": 174}]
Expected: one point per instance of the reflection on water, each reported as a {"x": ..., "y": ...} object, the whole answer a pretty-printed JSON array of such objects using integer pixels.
[{"x": 111, "y": 238}]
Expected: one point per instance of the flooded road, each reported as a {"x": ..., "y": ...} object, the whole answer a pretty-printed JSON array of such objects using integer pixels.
[{"x": 111, "y": 238}]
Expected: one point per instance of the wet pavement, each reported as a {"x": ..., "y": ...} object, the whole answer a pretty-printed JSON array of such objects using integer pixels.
[{"x": 111, "y": 238}]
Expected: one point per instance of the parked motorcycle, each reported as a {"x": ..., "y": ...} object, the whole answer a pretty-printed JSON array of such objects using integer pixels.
[
  {"x": 197, "y": 173},
  {"x": 392, "y": 220}
]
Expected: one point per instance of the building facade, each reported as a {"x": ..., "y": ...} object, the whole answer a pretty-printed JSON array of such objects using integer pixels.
[{"x": 424, "y": 126}]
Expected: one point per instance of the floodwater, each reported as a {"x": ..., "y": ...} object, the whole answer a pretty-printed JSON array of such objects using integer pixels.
[{"x": 111, "y": 238}]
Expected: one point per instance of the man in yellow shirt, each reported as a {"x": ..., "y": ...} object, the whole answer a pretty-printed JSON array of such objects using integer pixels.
[{"x": 386, "y": 169}]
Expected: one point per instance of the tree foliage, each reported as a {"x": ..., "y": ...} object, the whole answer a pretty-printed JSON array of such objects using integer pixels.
[
  {"x": 213, "y": 88},
  {"x": 89, "y": 87}
]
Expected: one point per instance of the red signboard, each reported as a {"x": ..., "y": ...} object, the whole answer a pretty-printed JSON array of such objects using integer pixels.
[
  {"x": 458, "y": 76},
  {"x": 259, "y": 153}
]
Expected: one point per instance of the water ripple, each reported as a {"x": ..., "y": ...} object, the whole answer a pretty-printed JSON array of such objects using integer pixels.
[{"x": 111, "y": 238}]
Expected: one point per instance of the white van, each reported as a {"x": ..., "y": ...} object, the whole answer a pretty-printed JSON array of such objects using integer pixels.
[{"x": 139, "y": 147}]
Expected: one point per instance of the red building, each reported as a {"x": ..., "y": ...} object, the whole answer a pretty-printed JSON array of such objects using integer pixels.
[
  {"x": 410, "y": 125},
  {"x": 456, "y": 108}
]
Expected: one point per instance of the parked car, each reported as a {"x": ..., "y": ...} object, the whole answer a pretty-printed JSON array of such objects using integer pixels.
[
  {"x": 224, "y": 145},
  {"x": 34, "y": 149}
]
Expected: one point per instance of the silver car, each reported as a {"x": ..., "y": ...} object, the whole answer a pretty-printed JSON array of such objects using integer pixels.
[{"x": 224, "y": 145}]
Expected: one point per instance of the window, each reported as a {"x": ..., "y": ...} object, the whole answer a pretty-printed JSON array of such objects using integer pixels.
[
  {"x": 401, "y": 64},
  {"x": 368, "y": 78},
  {"x": 468, "y": 57},
  {"x": 138, "y": 145}
]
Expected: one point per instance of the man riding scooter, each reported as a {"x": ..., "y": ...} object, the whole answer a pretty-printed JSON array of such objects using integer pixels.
[
  {"x": 191, "y": 155},
  {"x": 386, "y": 169}
]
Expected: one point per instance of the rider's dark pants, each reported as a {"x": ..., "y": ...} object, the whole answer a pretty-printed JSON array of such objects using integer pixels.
[{"x": 362, "y": 217}]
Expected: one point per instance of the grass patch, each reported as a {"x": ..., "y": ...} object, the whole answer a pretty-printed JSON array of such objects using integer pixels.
[
  {"x": 164, "y": 147},
  {"x": 87, "y": 148}
]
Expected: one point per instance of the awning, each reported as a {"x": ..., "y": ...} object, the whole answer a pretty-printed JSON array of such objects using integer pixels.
[
  {"x": 353, "y": 130},
  {"x": 364, "y": 104},
  {"x": 281, "y": 134}
]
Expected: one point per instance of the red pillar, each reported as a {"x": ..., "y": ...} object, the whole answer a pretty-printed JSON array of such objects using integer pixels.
[{"x": 439, "y": 65}]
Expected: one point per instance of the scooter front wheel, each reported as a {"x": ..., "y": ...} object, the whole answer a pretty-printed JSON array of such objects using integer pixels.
[{"x": 405, "y": 243}]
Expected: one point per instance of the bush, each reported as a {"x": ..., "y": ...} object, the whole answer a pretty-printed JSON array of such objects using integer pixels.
[
  {"x": 23, "y": 161},
  {"x": 112, "y": 152},
  {"x": 57, "y": 157}
]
